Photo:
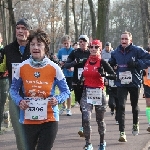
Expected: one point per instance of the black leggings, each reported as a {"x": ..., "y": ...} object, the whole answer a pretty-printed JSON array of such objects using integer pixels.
[{"x": 40, "y": 136}]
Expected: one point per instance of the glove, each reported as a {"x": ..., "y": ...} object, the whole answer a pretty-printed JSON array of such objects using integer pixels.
[
  {"x": 1, "y": 56},
  {"x": 111, "y": 77},
  {"x": 101, "y": 71},
  {"x": 144, "y": 73},
  {"x": 132, "y": 64}
]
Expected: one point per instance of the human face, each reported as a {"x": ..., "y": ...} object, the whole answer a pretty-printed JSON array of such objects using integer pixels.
[
  {"x": 107, "y": 48},
  {"x": 76, "y": 46},
  {"x": 66, "y": 44},
  {"x": 125, "y": 40},
  {"x": 1, "y": 40},
  {"x": 21, "y": 33},
  {"x": 94, "y": 49},
  {"x": 37, "y": 49},
  {"x": 83, "y": 44}
]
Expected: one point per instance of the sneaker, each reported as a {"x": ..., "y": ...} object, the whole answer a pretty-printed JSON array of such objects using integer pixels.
[
  {"x": 112, "y": 113},
  {"x": 102, "y": 146},
  {"x": 62, "y": 109},
  {"x": 135, "y": 129},
  {"x": 88, "y": 147},
  {"x": 69, "y": 112},
  {"x": 117, "y": 123},
  {"x": 81, "y": 132},
  {"x": 148, "y": 129},
  {"x": 122, "y": 137}
]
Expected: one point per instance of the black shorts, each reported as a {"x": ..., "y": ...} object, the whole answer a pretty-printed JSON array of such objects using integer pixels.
[
  {"x": 78, "y": 90},
  {"x": 69, "y": 83},
  {"x": 146, "y": 91}
]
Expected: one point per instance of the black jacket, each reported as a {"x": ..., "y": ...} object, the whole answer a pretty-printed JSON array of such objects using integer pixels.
[
  {"x": 79, "y": 55},
  {"x": 13, "y": 55}
]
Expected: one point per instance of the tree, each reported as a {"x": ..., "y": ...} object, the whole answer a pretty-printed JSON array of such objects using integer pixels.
[{"x": 145, "y": 21}]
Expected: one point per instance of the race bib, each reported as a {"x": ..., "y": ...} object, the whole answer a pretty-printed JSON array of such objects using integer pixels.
[
  {"x": 14, "y": 67},
  {"x": 37, "y": 108},
  {"x": 111, "y": 83},
  {"x": 64, "y": 57},
  {"x": 80, "y": 70},
  {"x": 106, "y": 60},
  {"x": 125, "y": 77},
  {"x": 148, "y": 73},
  {"x": 94, "y": 96}
]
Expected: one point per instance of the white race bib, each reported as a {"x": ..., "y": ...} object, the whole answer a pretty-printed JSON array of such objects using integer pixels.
[
  {"x": 148, "y": 73},
  {"x": 14, "y": 67},
  {"x": 111, "y": 83},
  {"x": 125, "y": 77},
  {"x": 80, "y": 70},
  {"x": 37, "y": 109},
  {"x": 64, "y": 57},
  {"x": 94, "y": 96}
]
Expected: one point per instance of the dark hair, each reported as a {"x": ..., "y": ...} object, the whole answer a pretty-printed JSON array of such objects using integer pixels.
[
  {"x": 41, "y": 36},
  {"x": 75, "y": 43}
]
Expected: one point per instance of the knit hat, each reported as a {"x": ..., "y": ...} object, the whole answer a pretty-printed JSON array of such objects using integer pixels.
[
  {"x": 24, "y": 22},
  {"x": 96, "y": 42},
  {"x": 84, "y": 37},
  {"x": 108, "y": 44}
]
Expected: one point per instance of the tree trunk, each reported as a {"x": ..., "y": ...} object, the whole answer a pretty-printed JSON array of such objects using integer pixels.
[
  {"x": 145, "y": 21},
  {"x": 93, "y": 18},
  {"x": 81, "y": 32},
  {"x": 75, "y": 22},
  {"x": 12, "y": 25},
  {"x": 67, "y": 17},
  {"x": 103, "y": 8}
]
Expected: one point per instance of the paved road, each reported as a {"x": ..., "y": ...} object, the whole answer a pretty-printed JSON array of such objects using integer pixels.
[{"x": 68, "y": 139}]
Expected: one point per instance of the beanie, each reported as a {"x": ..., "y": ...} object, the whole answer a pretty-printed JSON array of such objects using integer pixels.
[{"x": 24, "y": 22}]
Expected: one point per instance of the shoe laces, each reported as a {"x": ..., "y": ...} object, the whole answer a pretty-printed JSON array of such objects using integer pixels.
[
  {"x": 122, "y": 133},
  {"x": 135, "y": 126}
]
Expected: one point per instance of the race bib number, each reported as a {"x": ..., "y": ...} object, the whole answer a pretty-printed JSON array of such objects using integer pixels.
[
  {"x": 64, "y": 57},
  {"x": 37, "y": 109},
  {"x": 94, "y": 96},
  {"x": 148, "y": 73},
  {"x": 111, "y": 83},
  {"x": 125, "y": 77},
  {"x": 14, "y": 67},
  {"x": 80, "y": 70}
]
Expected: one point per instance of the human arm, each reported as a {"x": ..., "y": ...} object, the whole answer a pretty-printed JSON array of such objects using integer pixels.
[{"x": 2, "y": 61}]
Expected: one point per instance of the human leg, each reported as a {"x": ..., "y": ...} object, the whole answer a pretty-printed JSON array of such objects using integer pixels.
[
  {"x": 122, "y": 97},
  {"x": 86, "y": 113},
  {"x": 134, "y": 96},
  {"x": 47, "y": 135}
]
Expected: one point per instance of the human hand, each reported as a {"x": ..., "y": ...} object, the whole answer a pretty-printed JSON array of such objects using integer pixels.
[
  {"x": 101, "y": 71},
  {"x": 53, "y": 101},
  {"x": 23, "y": 104},
  {"x": 132, "y": 64}
]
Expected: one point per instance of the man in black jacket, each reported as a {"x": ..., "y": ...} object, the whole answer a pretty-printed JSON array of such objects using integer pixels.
[
  {"x": 16, "y": 52},
  {"x": 75, "y": 59}
]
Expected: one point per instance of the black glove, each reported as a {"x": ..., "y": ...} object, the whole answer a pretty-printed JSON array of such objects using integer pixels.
[
  {"x": 132, "y": 64},
  {"x": 111, "y": 77},
  {"x": 101, "y": 71},
  {"x": 144, "y": 73},
  {"x": 1, "y": 56}
]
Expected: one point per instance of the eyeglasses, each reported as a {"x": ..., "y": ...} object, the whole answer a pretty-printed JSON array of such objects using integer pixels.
[{"x": 96, "y": 47}]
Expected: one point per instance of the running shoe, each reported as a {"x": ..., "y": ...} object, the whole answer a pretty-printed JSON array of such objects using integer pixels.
[
  {"x": 102, "y": 146},
  {"x": 81, "y": 132},
  {"x": 69, "y": 112},
  {"x": 135, "y": 129},
  {"x": 122, "y": 137},
  {"x": 117, "y": 123},
  {"x": 148, "y": 129},
  {"x": 88, "y": 147},
  {"x": 62, "y": 109}
]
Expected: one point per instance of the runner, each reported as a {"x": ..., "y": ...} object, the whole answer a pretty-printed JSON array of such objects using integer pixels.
[
  {"x": 38, "y": 111},
  {"x": 93, "y": 94},
  {"x": 62, "y": 55},
  {"x": 75, "y": 59},
  {"x": 16, "y": 52}
]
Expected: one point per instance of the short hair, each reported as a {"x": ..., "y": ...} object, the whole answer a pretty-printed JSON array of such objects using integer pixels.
[
  {"x": 65, "y": 38},
  {"x": 126, "y": 32},
  {"x": 75, "y": 43}
]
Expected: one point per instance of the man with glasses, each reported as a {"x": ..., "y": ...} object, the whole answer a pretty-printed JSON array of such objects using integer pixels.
[
  {"x": 75, "y": 59},
  {"x": 129, "y": 62}
]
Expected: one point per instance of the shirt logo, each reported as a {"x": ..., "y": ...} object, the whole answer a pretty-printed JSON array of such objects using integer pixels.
[{"x": 37, "y": 74}]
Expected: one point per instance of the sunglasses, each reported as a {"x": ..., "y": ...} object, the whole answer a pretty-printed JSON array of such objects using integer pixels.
[{"x": 96, "y": 47}]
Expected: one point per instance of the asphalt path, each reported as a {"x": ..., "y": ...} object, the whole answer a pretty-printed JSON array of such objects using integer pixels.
[{"x": 68, "y": 139}]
